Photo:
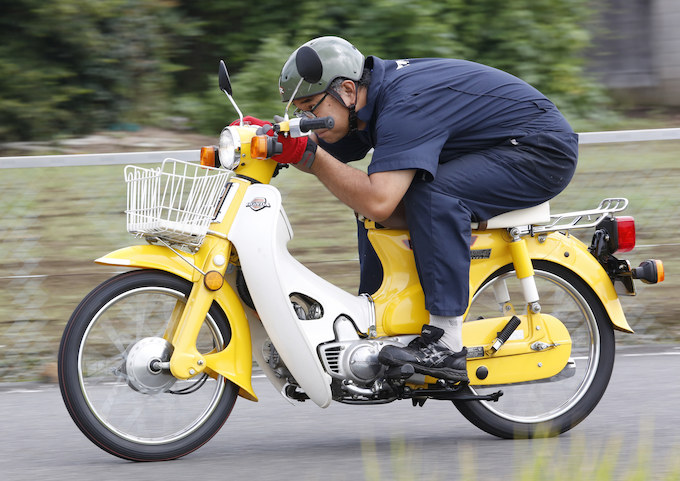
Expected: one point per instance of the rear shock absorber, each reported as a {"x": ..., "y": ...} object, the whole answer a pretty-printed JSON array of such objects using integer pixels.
[{"x": 524, "y": 270}]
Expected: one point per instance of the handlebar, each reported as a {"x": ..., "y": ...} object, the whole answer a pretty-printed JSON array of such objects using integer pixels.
[
  {"x": 299, "y": 127},
  {"x": 317, "y": 123}
]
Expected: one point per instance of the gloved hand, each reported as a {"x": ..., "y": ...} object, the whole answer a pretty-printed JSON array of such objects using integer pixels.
[{"x": 295, "y": 149}]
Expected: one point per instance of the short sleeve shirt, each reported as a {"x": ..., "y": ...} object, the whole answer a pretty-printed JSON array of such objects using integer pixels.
[{"x": 423, "y": 112}]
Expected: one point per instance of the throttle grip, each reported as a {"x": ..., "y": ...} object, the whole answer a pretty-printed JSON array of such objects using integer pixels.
[{"x": 318, "y": 123}]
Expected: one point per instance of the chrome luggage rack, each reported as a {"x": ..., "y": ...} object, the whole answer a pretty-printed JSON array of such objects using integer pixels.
[{"x": 584, "y": 219}]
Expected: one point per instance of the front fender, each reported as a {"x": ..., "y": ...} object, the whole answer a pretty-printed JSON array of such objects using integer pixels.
[
  {"x": 152, "y": 257},
  {"x": 235, "y": 361}
]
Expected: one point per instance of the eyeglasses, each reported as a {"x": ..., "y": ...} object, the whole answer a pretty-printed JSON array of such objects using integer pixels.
[{"x": 309, "y": 113}]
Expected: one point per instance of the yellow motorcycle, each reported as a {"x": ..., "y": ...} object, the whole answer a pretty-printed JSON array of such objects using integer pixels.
[{"x": 152, "y": 361}]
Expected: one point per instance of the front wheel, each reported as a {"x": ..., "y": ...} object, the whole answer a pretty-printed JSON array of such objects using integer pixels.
[
  {"x": 114, "y": 375},
  {"x": 552, "y": 406}
]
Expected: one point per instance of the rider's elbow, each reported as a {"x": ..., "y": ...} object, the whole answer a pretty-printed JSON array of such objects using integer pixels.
[{"x": 379, "y": 212}]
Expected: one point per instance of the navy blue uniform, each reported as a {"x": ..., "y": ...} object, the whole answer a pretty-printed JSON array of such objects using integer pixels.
[{"x": 483, "y": 142}]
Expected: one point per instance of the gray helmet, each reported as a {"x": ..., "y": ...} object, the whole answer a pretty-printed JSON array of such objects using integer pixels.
[{"x": 339, "y": 59}]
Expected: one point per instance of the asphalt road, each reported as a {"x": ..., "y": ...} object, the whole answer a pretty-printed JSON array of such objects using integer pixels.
[{"x": 635, "y": 426}]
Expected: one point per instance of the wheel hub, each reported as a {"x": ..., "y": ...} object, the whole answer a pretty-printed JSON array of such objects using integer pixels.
[{"x": 143, "y": 366}]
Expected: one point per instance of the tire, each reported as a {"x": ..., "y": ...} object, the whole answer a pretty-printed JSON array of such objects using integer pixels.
[
  {"x": 122, "y": 400},
  {"x": 543, "y": 409}
]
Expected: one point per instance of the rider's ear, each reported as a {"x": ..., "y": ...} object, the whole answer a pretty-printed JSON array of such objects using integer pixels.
[{"x": 348, "y": 87}]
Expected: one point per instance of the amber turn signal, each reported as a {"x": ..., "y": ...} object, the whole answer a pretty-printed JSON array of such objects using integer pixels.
[
  {"x": 209, "y": 157},
  {"x": 650, "y": 271},
  {"x": 213, "y": 280},
  {"x": 258, "y": 147}
]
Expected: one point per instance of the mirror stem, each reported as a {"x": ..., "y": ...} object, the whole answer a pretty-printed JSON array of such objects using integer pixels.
[
  {"x": 240, "y": 114},
  {"x": 285, "y": 115}
]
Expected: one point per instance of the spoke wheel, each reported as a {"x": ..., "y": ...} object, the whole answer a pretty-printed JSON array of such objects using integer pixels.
[
  {"x": 114, "y": 374},
  {"x": 553, "y": 406}
]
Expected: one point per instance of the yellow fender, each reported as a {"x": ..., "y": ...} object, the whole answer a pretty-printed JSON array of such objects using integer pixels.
[
  {"x": 235, "y": 361},
  {"x": 561, "y": 249}
]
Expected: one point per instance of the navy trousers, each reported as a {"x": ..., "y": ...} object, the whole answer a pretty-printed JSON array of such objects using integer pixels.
[{"x": 470, "y": 188}]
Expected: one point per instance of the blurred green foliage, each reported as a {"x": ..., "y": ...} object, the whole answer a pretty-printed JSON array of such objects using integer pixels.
[{"x": 70, "y": 66}]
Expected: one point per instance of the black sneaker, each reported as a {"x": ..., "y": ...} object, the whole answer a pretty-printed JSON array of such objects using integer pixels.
[{"x": 428, "y": 356}]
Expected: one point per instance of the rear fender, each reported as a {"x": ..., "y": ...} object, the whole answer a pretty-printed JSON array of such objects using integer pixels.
[
  {"x": 561, "y": 249},
  {"x": 235, "y": 361}
]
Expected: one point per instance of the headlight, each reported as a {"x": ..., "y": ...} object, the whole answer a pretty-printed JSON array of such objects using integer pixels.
[{"x": 230, "y": 148}]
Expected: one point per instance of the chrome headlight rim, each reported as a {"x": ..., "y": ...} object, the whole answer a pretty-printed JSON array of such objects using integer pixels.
[{"x": 230, "y": 148}]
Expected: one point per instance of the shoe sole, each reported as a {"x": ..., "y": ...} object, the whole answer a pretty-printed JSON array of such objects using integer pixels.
[{"x": 438, "y": 372}]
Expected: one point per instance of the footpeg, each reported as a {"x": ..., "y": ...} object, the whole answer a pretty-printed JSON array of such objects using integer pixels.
[
  {"x": 404, "y": 371},
  {"x": 505, "y": 334}
]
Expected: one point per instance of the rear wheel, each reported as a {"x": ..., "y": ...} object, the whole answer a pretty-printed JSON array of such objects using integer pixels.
[
  {"x": 114, "y": 376},
  {"x": 548, "y": 407}
]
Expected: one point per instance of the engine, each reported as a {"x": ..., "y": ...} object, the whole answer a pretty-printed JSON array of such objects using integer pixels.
[{"x": 356, "y": 361}]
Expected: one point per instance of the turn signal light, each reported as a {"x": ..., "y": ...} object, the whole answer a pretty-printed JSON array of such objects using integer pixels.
[
  {"x": 258, "y": 147},
  {"x": 209, "y": 156},
  {"x": 650, "y": 271}
]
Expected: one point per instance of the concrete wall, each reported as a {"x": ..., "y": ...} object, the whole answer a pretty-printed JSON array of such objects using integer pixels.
[{"x": 637, "y": 50}]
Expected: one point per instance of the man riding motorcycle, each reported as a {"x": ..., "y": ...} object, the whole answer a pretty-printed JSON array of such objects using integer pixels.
[{"x": 454, "y": 142}]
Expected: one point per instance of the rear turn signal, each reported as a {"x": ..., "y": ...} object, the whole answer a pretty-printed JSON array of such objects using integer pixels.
[
  {"x": 209, "y": 156},
  {"x": 650, "y": 271}
]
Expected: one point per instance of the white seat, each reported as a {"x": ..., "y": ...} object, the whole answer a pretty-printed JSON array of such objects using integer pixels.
[{"x": 539, "y": 214}]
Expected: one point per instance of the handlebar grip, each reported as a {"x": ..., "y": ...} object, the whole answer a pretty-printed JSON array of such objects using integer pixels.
[{"x": 319, "y": 123}]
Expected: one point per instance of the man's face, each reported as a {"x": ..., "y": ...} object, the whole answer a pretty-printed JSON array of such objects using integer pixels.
[{"x": 327, "y": 105}]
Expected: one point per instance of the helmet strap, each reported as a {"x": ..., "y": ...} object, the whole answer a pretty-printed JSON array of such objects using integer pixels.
[
  {"x": 352, "y": 115},
  {"x": 353, "y": 125}
]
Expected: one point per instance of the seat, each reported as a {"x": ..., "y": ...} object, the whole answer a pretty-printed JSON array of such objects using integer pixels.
[{"x": 539, "y": 214}]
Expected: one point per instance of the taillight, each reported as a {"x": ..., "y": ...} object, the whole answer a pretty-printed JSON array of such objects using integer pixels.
[{"x": 625, "y": 226}]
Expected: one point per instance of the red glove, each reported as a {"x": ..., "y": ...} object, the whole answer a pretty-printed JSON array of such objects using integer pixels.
[{"x": 293, "y": 149}]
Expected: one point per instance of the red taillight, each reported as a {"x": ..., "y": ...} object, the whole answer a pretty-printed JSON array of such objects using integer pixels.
[{"x": 626, "y": 233}]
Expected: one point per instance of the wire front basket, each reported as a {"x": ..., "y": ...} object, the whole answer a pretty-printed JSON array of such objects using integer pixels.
[{"x": 175, "y": 202}]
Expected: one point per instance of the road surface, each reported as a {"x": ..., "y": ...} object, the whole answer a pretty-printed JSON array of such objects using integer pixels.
[{"x": 635, "y": 426}]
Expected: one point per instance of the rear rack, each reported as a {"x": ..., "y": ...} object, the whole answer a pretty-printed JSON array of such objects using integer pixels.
[{"x": 584, "y": 219}]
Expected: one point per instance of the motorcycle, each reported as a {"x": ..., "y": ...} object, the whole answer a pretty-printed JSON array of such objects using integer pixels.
[{"x": 152, "y": 361}]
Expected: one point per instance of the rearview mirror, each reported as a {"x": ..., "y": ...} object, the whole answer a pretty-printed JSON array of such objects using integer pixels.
[
  {"x": 223, "y": 78},
  {"x": 308, "y": 64}
]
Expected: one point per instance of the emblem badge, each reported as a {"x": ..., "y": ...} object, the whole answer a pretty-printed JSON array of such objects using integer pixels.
[
  {"x": 402, "y": 64},
  {"x": 258, "y": 203}
]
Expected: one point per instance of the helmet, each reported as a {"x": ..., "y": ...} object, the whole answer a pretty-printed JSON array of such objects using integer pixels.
[{"x": 339, "y": 59}]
